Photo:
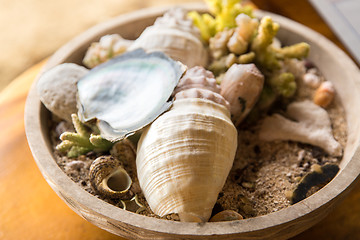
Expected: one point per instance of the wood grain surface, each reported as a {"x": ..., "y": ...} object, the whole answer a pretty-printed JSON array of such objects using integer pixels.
[{"x": 29, "y": 209}]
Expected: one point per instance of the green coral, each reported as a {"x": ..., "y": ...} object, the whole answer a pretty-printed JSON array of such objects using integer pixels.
[
  {"x": 298, "y": 51},
  {"x": 283, "y": 84},
  {"x": 224, "y": 12},
  {"x": 219, "y": 30},
  {"x": 82, "y": 141},
  {"x": 268, "y": 56},
  {"x": 265, "y": 56},
  {"x": 221, "y": 65}
]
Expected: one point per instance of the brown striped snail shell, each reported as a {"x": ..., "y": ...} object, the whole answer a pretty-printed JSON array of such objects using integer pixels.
[{"x": 109, "y": 178}]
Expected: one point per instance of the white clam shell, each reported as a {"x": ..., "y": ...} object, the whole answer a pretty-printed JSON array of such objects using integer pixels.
[
  {"x": 175, "y": 36},
  {"x": 128, "y": 92},
  {"x": 184, "y": 158}
]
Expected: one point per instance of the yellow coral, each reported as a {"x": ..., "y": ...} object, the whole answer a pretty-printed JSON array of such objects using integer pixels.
[{"x": 224, "y": 12}]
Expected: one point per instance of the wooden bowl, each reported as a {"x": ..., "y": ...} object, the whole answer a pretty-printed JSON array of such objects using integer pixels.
[{"x": 335, "y": 65}]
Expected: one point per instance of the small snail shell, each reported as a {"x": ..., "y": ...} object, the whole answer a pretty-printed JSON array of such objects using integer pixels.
[
  {"x": 124, "y": 150},
  {"x": 324, "y": 94},
  {"x": 109, "y": 178},
  {"x": 241, "y": 87}
]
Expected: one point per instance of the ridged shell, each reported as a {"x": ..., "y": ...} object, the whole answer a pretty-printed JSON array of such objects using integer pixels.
[
  {"x": 128, "y": 92},
  {"x": 203, "y": 94},
  {"x": 184, "y": 158},
  {"x": 241, "y": 87},
  {"x": 198, "y": 77},
  {"x": 109, "y": 178},
  {"x": 176, "y": 36}
]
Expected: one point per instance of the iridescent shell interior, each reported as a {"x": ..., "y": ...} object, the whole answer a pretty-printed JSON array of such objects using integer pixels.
[{"x": 128, "y": 92}]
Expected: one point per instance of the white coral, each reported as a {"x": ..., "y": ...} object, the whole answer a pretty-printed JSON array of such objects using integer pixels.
[{"x": 312, "y": 125}]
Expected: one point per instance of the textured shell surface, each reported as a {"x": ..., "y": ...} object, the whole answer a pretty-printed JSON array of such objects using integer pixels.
[
  {"x": 184, "y": 158},
  {"x": 198, "y": 77},
  {"x": 128, "y": 92},
  {"x": 176, "y": 36},
  {"x": 109, "y": 178}
]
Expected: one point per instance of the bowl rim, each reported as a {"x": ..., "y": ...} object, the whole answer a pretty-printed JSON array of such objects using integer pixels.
[{"x": 57, "y": 179}]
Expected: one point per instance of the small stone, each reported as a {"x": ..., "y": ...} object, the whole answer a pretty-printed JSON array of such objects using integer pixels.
[
  {"x": 226, "y": 215},
  {"x": 316, "y": 168},
  {"x": 75, "y": 165},
  {"x": 57, "y": 89},
  {"x": 301, "y": 155},
  {"x": 248, "y": 185},
  {"x": 289, "y": 195}
]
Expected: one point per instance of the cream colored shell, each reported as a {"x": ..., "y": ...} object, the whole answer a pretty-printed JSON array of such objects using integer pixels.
[
  {"x": 176, "y": 36},
  {"x": 184, "y": 158}
]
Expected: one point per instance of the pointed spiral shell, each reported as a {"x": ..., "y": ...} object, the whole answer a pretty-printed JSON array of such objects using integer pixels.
[{"x": 184, "y": 158}]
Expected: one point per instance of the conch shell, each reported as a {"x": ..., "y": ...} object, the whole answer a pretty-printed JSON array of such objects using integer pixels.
[
  {"x": 176, "y": 36},
  {"x": 241, "y": 86},
  {"x": 185, "y": 155}
]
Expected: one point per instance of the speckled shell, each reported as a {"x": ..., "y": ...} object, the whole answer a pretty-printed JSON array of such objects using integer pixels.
[
  {"x": 176, "y": 36},
  {"x": 108, "y": 178},
  {"x": 184, "y": 158},
  {"x": 241, "y": 86}
]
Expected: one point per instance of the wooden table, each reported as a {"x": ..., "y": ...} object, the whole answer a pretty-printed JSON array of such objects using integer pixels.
[{"x": 29, "y": 209}]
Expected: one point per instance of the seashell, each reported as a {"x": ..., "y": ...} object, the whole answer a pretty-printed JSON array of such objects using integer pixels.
[
  {"x": 184, "y": 158},
  {"x": 203, "y": 94},
  {"x": 108, "y": 47},
  {"x": 176, "y": 36},
  {"x": 324, "y": 95},
  {"x": 226, "y": 215},
  {"x": 109, "y": 178},
  {"x": 241, "y": 87},
  {"x": 128, "y": 92},
  {"x": 124, "y": 150},
  {"x": 57, "y": 89},
  {"x": 198, "y": 77}
]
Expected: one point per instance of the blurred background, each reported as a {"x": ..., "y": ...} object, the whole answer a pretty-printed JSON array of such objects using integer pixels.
[{"x": 31, "y": 30}]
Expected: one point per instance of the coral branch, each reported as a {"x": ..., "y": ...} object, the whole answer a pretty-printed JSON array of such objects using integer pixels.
[
  {"x": 312, "y": 125},
  {"x": 82, "y": 141}
]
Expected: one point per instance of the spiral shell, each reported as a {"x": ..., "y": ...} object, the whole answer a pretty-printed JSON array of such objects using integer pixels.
[
  {"x": 176, "y": 36},
  {"x": 185, "y": 156},
  {"x": 197, "y": 77},
  {"x": 109, "y": 178}
]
